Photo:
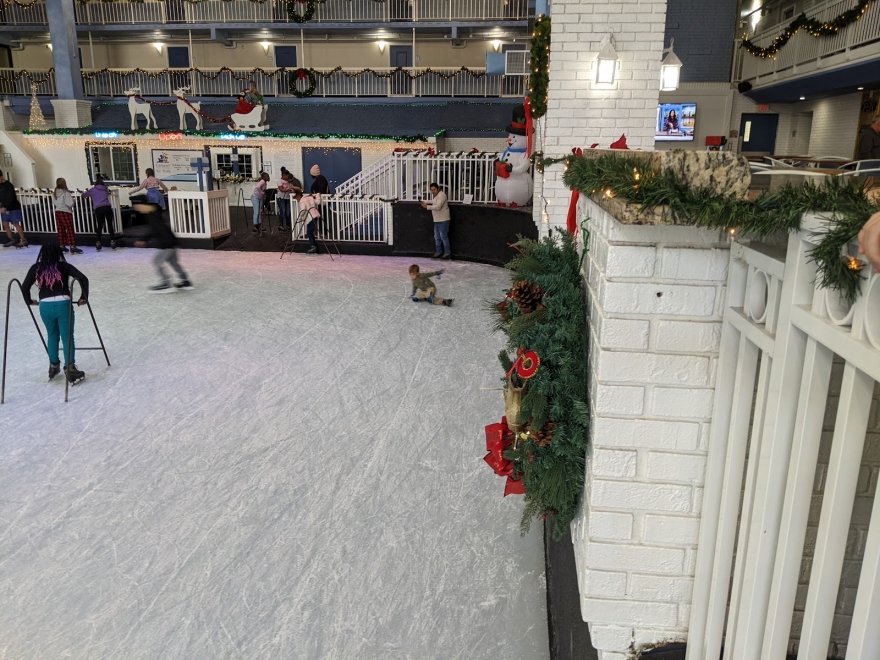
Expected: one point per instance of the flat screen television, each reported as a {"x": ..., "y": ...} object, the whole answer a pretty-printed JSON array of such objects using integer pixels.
[{"x": 675, "y": 121}]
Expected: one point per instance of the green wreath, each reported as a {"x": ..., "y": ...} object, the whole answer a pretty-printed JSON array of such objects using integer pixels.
[
  {"x": 297, "y": 18},
  {"x": 300, "y": 74}
]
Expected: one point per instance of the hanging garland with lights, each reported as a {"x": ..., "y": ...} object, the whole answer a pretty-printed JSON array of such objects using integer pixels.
[
  {"x": 214, "y": 134},
  {"x": 300, "y": 75},
  {"x": 649, "y": 187},
  {"x": 540, "y": 62},
  {"x": 15, "y": 76},
  {"x": 811, "y": 26}
]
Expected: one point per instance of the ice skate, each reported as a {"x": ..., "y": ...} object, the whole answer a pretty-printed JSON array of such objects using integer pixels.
[
  {"x": 185, "y": 284},
  {"x": 73, "y": 374},
  {"x": 162, "y": 288},
  {"x": 447, "y": 302},
  {"x": 97, "y": 246},
  {"x": 54, "y": 370},
  {"x": 75, "y": 250}
]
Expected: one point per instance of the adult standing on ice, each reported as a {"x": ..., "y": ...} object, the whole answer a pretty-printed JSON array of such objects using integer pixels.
[
  {"x": 162, "y": 238},
  {"x": 51, "y": 274}
]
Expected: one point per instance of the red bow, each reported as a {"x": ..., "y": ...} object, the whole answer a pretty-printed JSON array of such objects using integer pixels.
[{"x": 571, "y": 218}]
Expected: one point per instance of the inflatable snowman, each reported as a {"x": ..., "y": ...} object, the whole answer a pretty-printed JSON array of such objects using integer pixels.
[{"x": 513, "y": 182}]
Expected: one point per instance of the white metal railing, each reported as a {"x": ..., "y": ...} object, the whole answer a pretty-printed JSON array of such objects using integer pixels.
[
  {"x": 353, "y": 220},
  {"x": 776, "y": 403},
  {"x": 23, "y": 14},
  {"x": 196, "y": 214},
  {"x": 38, "y": 211},
  {"x": 103, "y": 13},
  {"x": 378, "y": 82},
  {"x": 853, "y": 42},
  {"x": 17, "y": 82},
  {"x": 407, "y": 176}
]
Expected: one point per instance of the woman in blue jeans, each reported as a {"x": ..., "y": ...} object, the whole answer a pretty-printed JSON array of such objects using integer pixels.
[{"x": 51, "y": 275}]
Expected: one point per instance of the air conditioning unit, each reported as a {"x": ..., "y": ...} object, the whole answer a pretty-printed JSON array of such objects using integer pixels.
[{"x": 516, "y": 63}]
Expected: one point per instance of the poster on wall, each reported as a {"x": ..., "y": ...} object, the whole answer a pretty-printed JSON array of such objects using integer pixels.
[{"x": 173, "y": 165}]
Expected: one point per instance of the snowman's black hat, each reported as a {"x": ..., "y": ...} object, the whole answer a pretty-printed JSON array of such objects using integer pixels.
[{"x": 517, "y": 124}]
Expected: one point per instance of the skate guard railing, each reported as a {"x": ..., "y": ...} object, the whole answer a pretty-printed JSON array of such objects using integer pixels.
[
  {"x": 407, "y": 176},
  {"x": 38, "y": 211},
  {"x": 790, "y": 513},
  {"x": 195, "y": 214},
  {"x": 353, "y": 219}
]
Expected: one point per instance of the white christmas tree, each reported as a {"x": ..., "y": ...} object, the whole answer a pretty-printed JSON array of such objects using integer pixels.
[{"x": 37, "y": 121}]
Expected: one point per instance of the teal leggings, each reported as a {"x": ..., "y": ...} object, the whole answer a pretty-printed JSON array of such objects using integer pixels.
[{"x": 59, "y": 325}]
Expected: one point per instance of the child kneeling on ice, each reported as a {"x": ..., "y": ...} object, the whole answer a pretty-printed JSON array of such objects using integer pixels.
[{"x": 424, "y": 288}]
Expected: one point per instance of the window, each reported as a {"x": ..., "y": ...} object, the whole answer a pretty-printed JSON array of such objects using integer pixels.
[
  {"x": 250, "y": 162},
  {"x": 116, "y": 162},
  {"x": 788, "y": 13}
]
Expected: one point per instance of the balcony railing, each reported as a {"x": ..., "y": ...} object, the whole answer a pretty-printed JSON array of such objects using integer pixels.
[
  {"x": 338, "y": 82},
  {"x": 803, "y": 53},
  {"x": 272, "y": 11}
]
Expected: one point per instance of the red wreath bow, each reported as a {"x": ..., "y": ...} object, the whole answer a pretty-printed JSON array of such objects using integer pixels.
[{"x": 499, "y": 438}]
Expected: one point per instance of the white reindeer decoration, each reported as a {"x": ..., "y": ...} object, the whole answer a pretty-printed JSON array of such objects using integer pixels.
[
  {"x": 136, "y": 108},
  {"x": 184, "y": 108}
]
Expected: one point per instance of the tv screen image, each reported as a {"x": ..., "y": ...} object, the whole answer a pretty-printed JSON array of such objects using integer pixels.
[{"x": 675, "y": 121}]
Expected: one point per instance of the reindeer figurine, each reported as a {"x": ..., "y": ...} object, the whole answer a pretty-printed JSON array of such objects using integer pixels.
[
  {"x": 141, "y": 107},
  {"x": 184, "y": 108}
]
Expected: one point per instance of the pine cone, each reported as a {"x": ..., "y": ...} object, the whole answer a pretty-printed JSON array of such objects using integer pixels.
[
  {"x": 527, "y": 295},
  {"x": 542, "y": 437}
]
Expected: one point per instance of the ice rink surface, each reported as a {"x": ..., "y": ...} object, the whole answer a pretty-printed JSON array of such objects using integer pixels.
[{"x": 284, "y": 462}]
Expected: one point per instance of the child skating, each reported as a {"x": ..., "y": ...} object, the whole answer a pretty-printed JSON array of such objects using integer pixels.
[{"x": 425, "y": 289}]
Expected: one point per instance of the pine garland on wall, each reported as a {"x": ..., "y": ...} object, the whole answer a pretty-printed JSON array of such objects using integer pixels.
[
  {"x": 545, "y": 319},
  {"x": 540, "y": 63}
]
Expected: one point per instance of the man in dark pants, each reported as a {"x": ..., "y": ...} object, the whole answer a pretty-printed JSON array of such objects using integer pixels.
[{"x": 10, "y": 213}]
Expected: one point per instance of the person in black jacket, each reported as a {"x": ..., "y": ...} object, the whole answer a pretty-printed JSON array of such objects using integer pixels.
[
  {"x": 51, "y": 274},
  {"x": 160, "y": 236},
  {"x": 10, "y": 214}
]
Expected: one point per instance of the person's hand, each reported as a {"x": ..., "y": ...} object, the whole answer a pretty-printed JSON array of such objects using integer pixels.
[
  {"x": 869, "y": 241},
  {"x": 35, "y": 303},
  {"x": 82, "y": 301},
  {"x": 423, "y": 204}
]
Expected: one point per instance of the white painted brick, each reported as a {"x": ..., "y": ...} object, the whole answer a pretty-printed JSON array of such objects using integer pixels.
[
  {"x": 607, "y": 655},
  {"x": 604, "y": 584},
  {"x": 624, "y": 333},
  {"x": 644, "y": 433},
  {"x": 650, "y": 559},
  {"x": 634, "y": 612},
  {"x": 605, "y": 637},
  {"x": 616, "y": 400},
  {"x": 610, "y": 463},
  {"x": 639, "y": 496},
  {"x": 691, "y": 264},
  {"x": 608, "y": 526},
  {"x": 658, "y": 299},
  {"x": 620, "y": 367},
  {"x": 682, "y": 402},
  {"x": 660, "y": 588},
  {"x": 670, "y": 530},
  {"x": 664, "y": 466},
  {"x": 685, "y": 336}
]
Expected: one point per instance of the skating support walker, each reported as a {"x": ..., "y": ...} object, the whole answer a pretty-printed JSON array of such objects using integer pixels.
[{"x": 298, "y": 231}]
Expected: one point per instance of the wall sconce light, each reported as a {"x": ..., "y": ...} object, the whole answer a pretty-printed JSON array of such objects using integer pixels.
[
  {"x": 265, "y": 45},
  {"x": 158, "y": 46},
  {"x": 49, "y": 46},
  {"x": 496, "y": 45},
  {"x": 670, "y": 69},
  {"x": 606, "y": 61},
  {"x": 381, "y": 45}
]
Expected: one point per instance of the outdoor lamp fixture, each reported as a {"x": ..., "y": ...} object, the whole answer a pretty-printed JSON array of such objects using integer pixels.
[
  {"x": 606, "y": 61},
  {"x": 265, "y": 45},
  {"x": 158, "y": 46},
  {"x": 381, "y": 45},
  {"x": 670, "y": 69},
  {"x": 496, "y": 45}
]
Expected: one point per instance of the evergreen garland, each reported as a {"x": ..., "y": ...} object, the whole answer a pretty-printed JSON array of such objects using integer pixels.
[
  {"x": 540, "y": 63},
  {"x": 549, "y": 453},
  {"x": 810, "y": 25},
  {"x": 633, "y": 179}
]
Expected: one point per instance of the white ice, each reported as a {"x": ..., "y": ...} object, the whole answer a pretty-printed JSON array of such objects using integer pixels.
[{"x": 282, "y": 463}]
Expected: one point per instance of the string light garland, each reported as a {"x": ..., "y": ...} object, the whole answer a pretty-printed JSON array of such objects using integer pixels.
[
  {"x": 214, "y": 134},
  {"x": 811, "y": 26},
  {"x": 649, "y": 187},
  {"x": 540, "y": 63}
]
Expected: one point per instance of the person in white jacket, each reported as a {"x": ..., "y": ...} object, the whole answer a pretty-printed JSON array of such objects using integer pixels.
[{"x": 63, "y": 202}]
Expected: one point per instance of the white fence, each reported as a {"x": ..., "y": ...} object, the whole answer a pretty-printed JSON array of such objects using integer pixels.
[
  {"x": 199, "y": 214},
  {"x": 860, "y": 40},
  {"x": 38, "y": 211},
  {"x": 353, "y": 220},
  {"x": 789, "y": 550},
  {"x": 407, "y": 175}
]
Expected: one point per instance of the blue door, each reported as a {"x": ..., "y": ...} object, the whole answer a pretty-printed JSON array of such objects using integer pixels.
[
  {"x": 178, "y": 58},
  {"x": 285, "y": 58},
  {"x": 337, "y": 164},
  {"x": 758, "y": 132},
  {"x": 401, "y": 58}
]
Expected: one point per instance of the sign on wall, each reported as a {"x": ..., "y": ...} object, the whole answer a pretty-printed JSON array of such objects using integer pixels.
[{"x": 174, "y": 165}]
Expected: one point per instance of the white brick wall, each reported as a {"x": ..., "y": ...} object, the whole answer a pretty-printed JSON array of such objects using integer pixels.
[{"x": 655, "y": 312}]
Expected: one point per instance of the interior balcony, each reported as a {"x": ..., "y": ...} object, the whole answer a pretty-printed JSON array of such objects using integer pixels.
[{"x": 810, "y": 66}]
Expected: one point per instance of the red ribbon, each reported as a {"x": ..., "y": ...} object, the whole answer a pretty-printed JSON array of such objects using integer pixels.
[
  {"x": 529, "y": 129},
  {"x": 514, "y": 487},
  {"x": 571, "y": 218},
  {"x": 301, "y": 74}
]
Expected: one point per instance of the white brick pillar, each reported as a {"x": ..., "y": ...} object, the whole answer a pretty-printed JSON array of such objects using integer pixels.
[
  {"x": 656, "y": 296},
  {"x": 579, "y": 112}
]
